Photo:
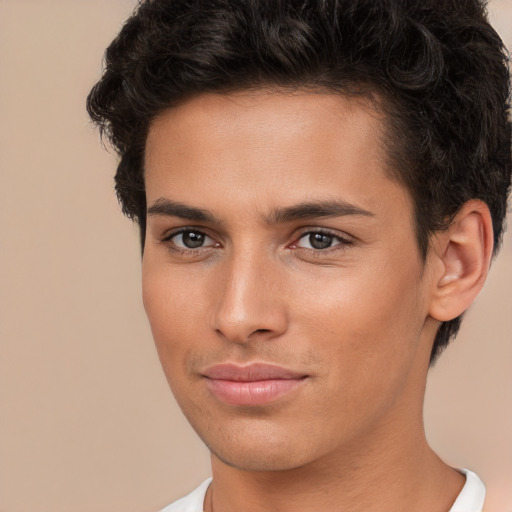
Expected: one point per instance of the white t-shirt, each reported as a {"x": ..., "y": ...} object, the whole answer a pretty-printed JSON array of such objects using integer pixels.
[{"x": 470, "y": 499}]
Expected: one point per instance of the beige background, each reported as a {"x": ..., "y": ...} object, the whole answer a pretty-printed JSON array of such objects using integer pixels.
[{"x": 86, "y": 420}]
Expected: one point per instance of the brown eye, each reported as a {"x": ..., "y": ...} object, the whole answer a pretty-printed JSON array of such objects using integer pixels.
[
  {"x": 318, "y": 241},
  {"x": 191, "y": 240}
]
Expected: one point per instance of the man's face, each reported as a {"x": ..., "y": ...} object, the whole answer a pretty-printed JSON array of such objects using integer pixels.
[{"x": 282, "y": 278}]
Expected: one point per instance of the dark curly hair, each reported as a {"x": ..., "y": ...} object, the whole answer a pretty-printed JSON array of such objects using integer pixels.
[{"x": 438, "y": 66}]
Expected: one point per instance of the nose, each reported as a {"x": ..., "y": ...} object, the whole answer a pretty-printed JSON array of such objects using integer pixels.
[{"x": 251, "y": 303}]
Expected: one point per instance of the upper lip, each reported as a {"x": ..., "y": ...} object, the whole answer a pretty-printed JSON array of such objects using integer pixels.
[{"x": 250, "y": 373}]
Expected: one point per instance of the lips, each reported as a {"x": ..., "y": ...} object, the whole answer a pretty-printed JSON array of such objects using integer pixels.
[{"x": 252, "y": 385}]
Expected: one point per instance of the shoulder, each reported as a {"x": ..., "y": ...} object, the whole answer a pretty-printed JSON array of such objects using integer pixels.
[
  {"x": 192, "y": 502},
  {"x": 472, "y": 496},
  {"x": 470, "y": 499}
]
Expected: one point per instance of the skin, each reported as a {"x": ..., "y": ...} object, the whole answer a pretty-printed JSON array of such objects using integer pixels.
[{"x": 354, "y": 317}]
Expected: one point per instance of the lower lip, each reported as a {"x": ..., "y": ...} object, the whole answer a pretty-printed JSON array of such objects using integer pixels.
[{"x": 252, "y": 393}]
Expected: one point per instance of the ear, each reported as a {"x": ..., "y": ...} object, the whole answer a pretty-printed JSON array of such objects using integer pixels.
[{"x": 462, "y": 255}]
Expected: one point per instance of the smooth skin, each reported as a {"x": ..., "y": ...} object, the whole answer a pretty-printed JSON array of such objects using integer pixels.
[{"x": 275, "y": 235}]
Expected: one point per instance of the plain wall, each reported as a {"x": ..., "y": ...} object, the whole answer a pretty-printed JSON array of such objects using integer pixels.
[{"x": 87, "y": 423}]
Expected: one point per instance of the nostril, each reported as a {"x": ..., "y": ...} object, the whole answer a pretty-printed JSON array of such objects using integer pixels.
[{"x": 261, "y": 331}]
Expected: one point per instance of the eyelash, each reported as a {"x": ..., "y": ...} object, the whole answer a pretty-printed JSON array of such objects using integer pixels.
[
  {"x": 342, "y": 243},
  {"x": 168, "y": 241}
]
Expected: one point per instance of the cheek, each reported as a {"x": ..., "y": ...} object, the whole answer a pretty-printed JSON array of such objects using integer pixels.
[
  {"x": 367, "y": 326},
  {"x": 171, "y": 309},
  {"x": 360, "y": 300},
  {"x": 174, "y": 309}
]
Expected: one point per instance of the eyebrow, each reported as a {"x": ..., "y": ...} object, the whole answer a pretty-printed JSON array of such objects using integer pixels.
[
  {"x": 170, "y": 208},
  {"x": 316, "y": 209},
  {"x": 307, "y": 210}
]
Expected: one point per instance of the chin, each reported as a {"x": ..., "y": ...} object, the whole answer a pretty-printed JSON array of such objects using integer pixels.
[
  {"x": 260, "y": 451},
  {"x": 260, "y": 460}
]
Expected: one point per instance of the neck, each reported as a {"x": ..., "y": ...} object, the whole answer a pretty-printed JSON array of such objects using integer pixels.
[{"x": 376, "y": 479}]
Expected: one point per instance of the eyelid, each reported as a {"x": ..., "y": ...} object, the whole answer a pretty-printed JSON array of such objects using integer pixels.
[
  {"x": 343, "y": 239},
  {"x": 169, "y": 233},
  {"x": 167, "y": 239}
]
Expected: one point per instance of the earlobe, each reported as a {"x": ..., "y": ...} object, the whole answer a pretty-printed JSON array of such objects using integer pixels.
[{"x": 463, "y": 254}]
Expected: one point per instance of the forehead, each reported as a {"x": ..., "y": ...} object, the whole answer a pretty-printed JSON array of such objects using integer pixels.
[
  {"x": 280, "y": 145},
  {"x": 292, "y": 113}
]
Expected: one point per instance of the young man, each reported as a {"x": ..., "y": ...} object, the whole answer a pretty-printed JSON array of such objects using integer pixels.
[{"x": 320, "y": 187}]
